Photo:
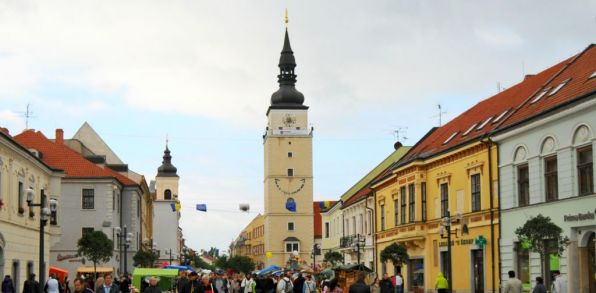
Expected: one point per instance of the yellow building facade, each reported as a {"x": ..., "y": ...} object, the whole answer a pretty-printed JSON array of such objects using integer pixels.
[{"x": 411, "y": 204}]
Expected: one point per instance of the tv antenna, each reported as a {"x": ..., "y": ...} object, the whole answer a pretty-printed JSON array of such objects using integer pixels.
[
  {"x": 440, "y": 114},
  {"x": 28, "y": 114},
  {"x": 400, "y": 133}
]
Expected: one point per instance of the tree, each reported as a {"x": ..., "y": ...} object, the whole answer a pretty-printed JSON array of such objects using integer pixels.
[
  {"x": 221, "y": 262},
  {"x": 543, "y": 237},
  {"x": 144, "y": 258},
  {"x": 334, "y": 258},
  {"x": 396, "y": 253},
  {"x": 240, "y": 263},
  {"x": 96, "y": 247},
  {"x": 198, "y": 262}
]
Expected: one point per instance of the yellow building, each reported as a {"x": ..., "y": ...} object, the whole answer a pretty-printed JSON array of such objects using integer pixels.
[
  {"x": 251, "y": 242},
  {"x": 288, "y": 179},
  {"x": 451, "y": 171}
]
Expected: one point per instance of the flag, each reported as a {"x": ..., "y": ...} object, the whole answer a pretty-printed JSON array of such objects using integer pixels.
[
  {"x": 173, "y": 206},
  {"x": 201, "y": 207},
  {"x": 291, "y": 205},
  {"x": 178, "y": 206}
]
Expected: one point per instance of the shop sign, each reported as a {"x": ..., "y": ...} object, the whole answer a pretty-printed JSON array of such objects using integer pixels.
[
  {"x": 480, "y": 241},
  {"x": 579, "y": 217}
]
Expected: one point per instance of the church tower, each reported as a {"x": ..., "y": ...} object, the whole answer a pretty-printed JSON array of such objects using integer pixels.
[{"x": 288, "y": 169}]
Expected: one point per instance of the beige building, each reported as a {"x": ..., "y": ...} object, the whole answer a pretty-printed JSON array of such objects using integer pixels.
[
  {"x": 288, "y": 214},
  {"x": 251, "y": 242},
  {"x": 20, "y": 170}
]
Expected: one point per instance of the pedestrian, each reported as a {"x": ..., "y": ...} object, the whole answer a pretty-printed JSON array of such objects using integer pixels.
[
  {"x": 153, "y": 288},
  {"x": 108, "y": 286},
  {"x": 299, "y": 283},
  {"x": 539, "y": 288},
  {"x": 247, "y": 284},
  {"x": 206, "y": 285},
  {"x": 52, "y": 285},
  {"x": 441, "y": 284},
  {"x": 559, "y": 284},
  {"x": 333, "y": 287},
  {"x": 8, "y": 285},
  {"x": 385, "y": 284},
  {"x": 99, "y": 282},
  {"x": 182, "y": 283},
  {"x": 399, "y": 283},
  {"x": 309, "y": 285},
  {"x": 31, "y": 286},
  {"x": 243, "y": 282},
  {"x": 285, "y": 285},
  {"x": 269, "y": 284},
  {"x": 125, "y": 284},
  {"x": 513, "y": 285},
  {"x": 66, "y": 284},
  {"x": 80, "y": 286},
  {"x": 360, "y": 286}
]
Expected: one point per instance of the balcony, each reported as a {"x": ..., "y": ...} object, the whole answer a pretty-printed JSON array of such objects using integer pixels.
[{"x": 352, "y": 241}]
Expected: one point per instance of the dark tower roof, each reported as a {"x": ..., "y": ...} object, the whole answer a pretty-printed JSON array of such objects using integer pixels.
[
  {"x": 167, "y": 169},
  {"x": 287, "y": 96}
]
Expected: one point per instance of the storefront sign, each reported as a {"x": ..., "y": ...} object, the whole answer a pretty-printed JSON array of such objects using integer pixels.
[
  {"x": 579, "y": 217},
  {"x": 480, "y": 241}
]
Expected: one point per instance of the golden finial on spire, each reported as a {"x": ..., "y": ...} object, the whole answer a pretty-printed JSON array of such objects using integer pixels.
[{"x": 286, "y": 18}]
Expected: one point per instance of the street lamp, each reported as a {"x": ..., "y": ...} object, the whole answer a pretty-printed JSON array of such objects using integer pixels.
[
  {"x": 43, "y": 220},
  {"x": 446, "y": 229},
  {"x": 127, "y": 237},
  {"x": 360, "y": 242},
  {"x": 316, "y": 250}
]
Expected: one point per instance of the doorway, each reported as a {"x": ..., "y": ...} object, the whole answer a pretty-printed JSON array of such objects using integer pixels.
[
  {"x": 592, "y": 262},
  {"x": 478, "y": 270}
]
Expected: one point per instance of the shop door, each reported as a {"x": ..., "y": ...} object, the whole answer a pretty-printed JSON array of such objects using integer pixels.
[
  {"x": 592, "y": 262},
  {"x": 445, "y": 263},
  {"x": 478, "y": 270}
]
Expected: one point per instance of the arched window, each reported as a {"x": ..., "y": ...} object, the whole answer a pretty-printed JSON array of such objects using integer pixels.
[{"x": 167, "y": 195}]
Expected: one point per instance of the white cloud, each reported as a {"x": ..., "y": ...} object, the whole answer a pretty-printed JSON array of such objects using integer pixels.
[{"x": 11, "y": 120}]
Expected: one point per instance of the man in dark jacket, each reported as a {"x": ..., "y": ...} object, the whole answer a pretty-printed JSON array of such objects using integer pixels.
[
  {"x": 299, "y": 283},
  {"x": 385, "y": 284},
  {"x": 182, "y": 283},
  {"x": 31, "y": 286},
  {"x": 108, "y": 286},
  {"x": 153, "y": 288},
  {"x": 8, "y": 285},
  {"x": 360, "y": 286}
]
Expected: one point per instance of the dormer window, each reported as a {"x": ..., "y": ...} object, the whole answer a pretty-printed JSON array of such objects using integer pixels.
[
  {"x": 450, "y": 137},
  {"x": 559, "y": 87}
]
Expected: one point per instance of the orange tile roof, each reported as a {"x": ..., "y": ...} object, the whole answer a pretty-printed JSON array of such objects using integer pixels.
[
  {"x": 490, "y": 108},
  {"x": 62, "y": 157},
  {"x": 576, "y": 71}
]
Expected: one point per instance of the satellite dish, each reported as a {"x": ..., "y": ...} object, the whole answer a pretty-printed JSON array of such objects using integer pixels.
[{"x": 244, "y": 207}]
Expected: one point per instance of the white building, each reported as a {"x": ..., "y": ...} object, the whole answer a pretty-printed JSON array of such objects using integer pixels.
[
  {"x": 21, "y": 169},
  {"x": 546, "y": 167}
]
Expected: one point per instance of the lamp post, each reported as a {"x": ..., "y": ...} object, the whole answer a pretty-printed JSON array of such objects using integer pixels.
[
  {"x": 360, "y": 241},
  {"x": 127, "y": 237},
  {"x": 446, "y": 228},
  {"x": 45, "y": 213}
]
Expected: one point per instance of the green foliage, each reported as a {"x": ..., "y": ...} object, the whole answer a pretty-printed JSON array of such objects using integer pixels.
[
  {"x": 96, "y": 247},
  {"x": 241, "y": 263},
  {"x": 543, "y": 236},
  {"x": 198, "y": 262},
  {"x": 397, "y": 254},
  {"x": 334, "y": 258},
  {"x": 221, "y": 262},
  {"x": 144, "y": 259}
]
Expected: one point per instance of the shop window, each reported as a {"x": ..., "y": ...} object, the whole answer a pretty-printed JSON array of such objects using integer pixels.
[
  {"x": 416, "y": 274},
  {"x": 523, "y": 185},
  {"x": 423, "y": 195},
  {"x": 550, "y": 178},
  {"x": 475, "y": 190},
  {"x": 522, "y": 256},
  {"x": 402, "y": 194},
  {"x": 585, "y": 171},
  {"x": 444, "y": 199},
  {"x": 412, "y": 202}
]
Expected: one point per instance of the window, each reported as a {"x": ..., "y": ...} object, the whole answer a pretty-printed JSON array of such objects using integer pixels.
[
  {"x": 470, "y": 129},
  {"x": 475, "y": 189},
  {"x": 290, "y": 154},
  {"x": 21, "y": 192},
  {"x": 53, "y": 216},
  {"x": 139, "y": 207},
  {"x": 523, "y": 186},
  {"x": 167, "y": 195},
  {"x": 540, "y": 95},
  {"x": 326, "y": 229},
  {"x": 290, "y": 172},
  {"x": 361, "y": 218},
  {"x": 550, "y": 178},
  {"x": 88, "y": 199},
  {"x": 412, "y": 194},
  {"x": 484, "y": 123},
  {"x": 559, "y": 87},
  {"x": 451, "y": 137},
  {"x": 113, "y": 200},
  {"x": 396, "y": 212},
  {"x": 31, "y": 213},
  {"x": 292, "y": 246},
  {"x": 423, "y": 195},
  {"x": 444, "y": 199},
  {"x": 585, "y": 171},
  {"x": 500, "y": 116},
  {"x": 354, "y": 225},
  {"x": 290, "y": 226},
  {"x": 382, "y": 217},
  {"x": 86, "y": 230},
  {"x": 402, "y": 193},
  {"x": 523, "y": 263}
]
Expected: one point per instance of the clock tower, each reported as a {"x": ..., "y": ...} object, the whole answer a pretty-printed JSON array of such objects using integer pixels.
[{"x": 288, "y": 214}]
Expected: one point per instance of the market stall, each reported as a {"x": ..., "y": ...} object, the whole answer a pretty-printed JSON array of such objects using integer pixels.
[
  {"x": 166, "y": 277},
  {"x": 348, "y": 274}
]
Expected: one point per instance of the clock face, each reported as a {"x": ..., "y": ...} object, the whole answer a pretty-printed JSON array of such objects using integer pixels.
[
  {"x": 289, "y": 120},
  {"x": 291, "y": 191}
]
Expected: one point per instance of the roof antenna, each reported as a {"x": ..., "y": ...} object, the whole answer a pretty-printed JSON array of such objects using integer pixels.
[
  {"x": 440, "y": 115},
  {"x": 167, "y": 140},
  {"x": 400, "y": 134},
  {"x": 28, "y": 114}
]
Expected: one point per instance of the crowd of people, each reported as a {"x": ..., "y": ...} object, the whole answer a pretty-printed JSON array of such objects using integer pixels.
[{"x": 104, "y": 283}]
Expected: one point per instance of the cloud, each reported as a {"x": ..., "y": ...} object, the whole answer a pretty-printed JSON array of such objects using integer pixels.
[{"x": 11, "y": 120}]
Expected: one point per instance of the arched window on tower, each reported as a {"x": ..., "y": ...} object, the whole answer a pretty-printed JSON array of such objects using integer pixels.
[{"x": 167, "y": 195}]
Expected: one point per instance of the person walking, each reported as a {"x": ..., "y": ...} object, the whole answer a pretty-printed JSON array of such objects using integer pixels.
[
  {"x": 125, "y": 284},
  {"x": 333, "y": 287},
  {"x": 182, "y": 283},
  {"x": 309, "y": 285},
  {"x": 385, "y": 284},
  {"x": 539, "y": 288},
  {"x": 559, "y": 284},
  {"x": 399, "y": 283},
  {"x": 108, "y": 286},
  {"x": 80, "y": 286},
  {"x": 30, "y": 285},
  {"x": 513, "y": 285},
  {"x": 8, "y": 285},
  {"x": 285, "y": 284},
  {"x": 248, "y": 284},
  {"x": 153, "y": 288},
  {"x": 360, "y": 286},
  {"x": 52, "y": 285},
  {"x": 441, "y": 284},
  {"x": 299, "y": 283}
]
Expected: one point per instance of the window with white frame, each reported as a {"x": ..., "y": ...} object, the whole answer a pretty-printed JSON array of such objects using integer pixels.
[
  {"x": 585, "y": 173},
  {"x": 292, "y": 246}
]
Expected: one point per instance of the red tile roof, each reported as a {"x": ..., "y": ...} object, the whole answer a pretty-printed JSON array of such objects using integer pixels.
[
  {"x": 316, "y": 206},
  {"x": 490, "y": 108},
  {"x": 576, "y": 71},
  {"x": 62, "y": 157}
]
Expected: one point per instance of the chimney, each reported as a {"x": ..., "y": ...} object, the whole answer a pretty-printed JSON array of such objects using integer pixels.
[
  {"x": 5, "y": 130},
  {"x": 529, "y": 76},
  {"x": 59, "y": 136}
]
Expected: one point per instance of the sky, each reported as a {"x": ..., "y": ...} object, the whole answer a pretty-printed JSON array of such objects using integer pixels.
[{"x": 202, "y": 73}]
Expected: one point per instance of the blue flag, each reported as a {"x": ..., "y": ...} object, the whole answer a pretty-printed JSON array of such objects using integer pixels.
[
  {"x": 202, "y": 207},
  {"x": 291, "y": 205},
  {"x": 173, "y": 206}
]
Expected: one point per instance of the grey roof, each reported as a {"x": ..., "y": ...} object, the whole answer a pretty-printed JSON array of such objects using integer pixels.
[
  {"x": 292, "y": 238},
  {"x": 287, "y": 96},
  {"x": 167, "y": 169}
]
